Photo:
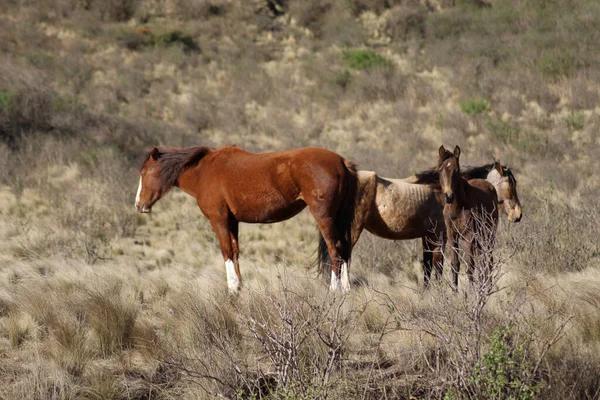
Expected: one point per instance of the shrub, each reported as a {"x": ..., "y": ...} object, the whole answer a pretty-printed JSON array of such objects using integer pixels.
[
  {"x": 365, "y": 59},
  {"x": 504, "y": 131},
  {"x": 475, "y": 106},
  {"x": 175, "y": 37},
  {"x": 505, "y": 371},
  {"x": 574, "y": 121},
  {"x": 143, "y": 38},
  {"x": 558, "y": 63},
  {"x": 342, "y": 78}
]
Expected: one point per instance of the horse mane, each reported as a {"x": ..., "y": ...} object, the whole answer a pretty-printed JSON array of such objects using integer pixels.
[
  {"x": 432, "y": 176},
  {"x": 471, "y": 172},
  {"x": 428, "y": 177},
  {"x": 482, "y": 172},
  {"x": 172, "y": 162}
]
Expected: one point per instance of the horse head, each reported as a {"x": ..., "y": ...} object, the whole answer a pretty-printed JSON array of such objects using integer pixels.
[
  {"x": 506, "y": 186},
  {"x": 150, "y": 189},
  {"x": 449, "y": 171}
]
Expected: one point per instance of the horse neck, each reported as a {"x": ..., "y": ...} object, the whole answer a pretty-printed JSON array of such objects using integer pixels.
[
  {"x": 460, "y": 200},
  {"x": 495, "y": 179},
  {"x": 187, "y": 181}
]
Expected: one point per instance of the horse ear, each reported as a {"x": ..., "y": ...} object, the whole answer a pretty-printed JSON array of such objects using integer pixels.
[
  {"x": 498, "y": 167},
  {"x": 457, "y": 151},
  {"x": 442, "y": 152},
  {"x": 154, "y": 154}
]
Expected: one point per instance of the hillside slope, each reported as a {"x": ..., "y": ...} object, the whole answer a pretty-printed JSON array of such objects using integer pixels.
[{"x": 97, "y": 301}]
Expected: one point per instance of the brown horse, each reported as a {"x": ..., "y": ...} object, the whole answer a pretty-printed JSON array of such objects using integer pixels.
[
  {"x": 470, "y": 211},
  {"x": 232, "y": 185},
  {"x": 402, "y": 209}
]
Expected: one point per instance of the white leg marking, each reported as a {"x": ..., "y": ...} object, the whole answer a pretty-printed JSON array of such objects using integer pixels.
[
  {"x": 335, "y": 282},
  {"x": 232, "y": 279},
  {"x": 345, "y": 278},
  {"x": 137, "y": 196}
]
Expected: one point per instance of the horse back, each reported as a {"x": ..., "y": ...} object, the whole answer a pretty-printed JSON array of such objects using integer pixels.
[
  {"x": 269, "y": 187},
  {"x": 482, "y": 194},
  {"x": 403, "y": 210}
]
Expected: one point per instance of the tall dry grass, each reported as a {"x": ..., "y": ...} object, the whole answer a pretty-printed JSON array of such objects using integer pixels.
[{"x": 99, "y": 302}]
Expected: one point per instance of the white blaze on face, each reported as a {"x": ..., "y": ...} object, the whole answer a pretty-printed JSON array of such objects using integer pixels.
[
  {"x": 345, "y": 278},
  {"x": 233, "y": 281},
  {"x": 335, "y": 282},
  {"x": 139, "y": 192}
]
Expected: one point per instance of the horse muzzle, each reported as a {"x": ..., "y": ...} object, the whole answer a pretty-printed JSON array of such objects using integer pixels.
[
  {"x": 515, "y": 215},
  {"x": 518, "y": 216},
  {"x": 142, "y": 208}
]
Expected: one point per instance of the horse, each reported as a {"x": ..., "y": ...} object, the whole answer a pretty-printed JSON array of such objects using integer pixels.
[
  {"x": 410, "y": 208},
  {"x": 232, "y": 185},
  {"x": 470, "y": 211}
]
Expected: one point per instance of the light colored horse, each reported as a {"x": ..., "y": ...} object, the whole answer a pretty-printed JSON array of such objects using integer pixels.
[{"x": 411, "y": 208}]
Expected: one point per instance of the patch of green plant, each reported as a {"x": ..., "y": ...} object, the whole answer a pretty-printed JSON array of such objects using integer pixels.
[
  {"x": 504, "y": 131},
  {"x": 513, "y": 135},
  {"x": 574, "y": 121},
  {"x": 451, "y": 23},
  {"x": 365, "y": 59},
  {"x": 6, "y": 100},
  {"x": 342, "y": 78},
  {"x": 450, "y": 394},
  {"x": 475, "y": 106},
  {"x": 40, "y": 59},
  {"x": 140, "y": 40},
  {"x": 558, "y": 63},
  {"x": 174, "y": 37},
  {"x": 505, "y": 371}
]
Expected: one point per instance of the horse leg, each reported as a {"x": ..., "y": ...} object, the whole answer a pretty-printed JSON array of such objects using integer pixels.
[
  {"x": 471, "y": 249},
  {"x": 233, "y": 236},
  {"x": 454, "y": 260},
  {"x": 438, "y": 259},
  {"x": 339, "y": 270},
  {"x": 427, "y": 260},
  {"x": 221, "y": 227}
]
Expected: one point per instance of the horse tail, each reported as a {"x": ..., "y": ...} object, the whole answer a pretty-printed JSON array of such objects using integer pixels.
[{"x": 345, "y": 221}]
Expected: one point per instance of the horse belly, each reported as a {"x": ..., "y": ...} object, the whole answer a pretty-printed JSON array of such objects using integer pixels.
[{"x": 267, "y": 212}]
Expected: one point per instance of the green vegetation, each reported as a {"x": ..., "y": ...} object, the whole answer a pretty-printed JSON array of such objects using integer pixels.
[
  {"x": 575, "y": 121},
  {"x": 98, "y": 301},
  {"x": 505, "y": 371},
  {"x": 342, "y": 78},
  {"x": 365, "y": 59},
  {"x": 558, "y": 63},
  {"x": 137, "y": 40},
  {"x": 6, "y": 103},
  {"x": 475, "y": 106}
]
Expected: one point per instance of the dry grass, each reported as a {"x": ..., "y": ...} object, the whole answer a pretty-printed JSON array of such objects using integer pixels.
[{"x": 99, "y": 302}]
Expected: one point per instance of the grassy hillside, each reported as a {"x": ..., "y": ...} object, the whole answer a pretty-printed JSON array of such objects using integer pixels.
[{"x": 99, "y": 302}]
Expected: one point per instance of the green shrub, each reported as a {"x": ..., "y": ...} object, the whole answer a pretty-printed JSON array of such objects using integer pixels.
[
  {"x": 6, "y": 100},
  {"x": 174, "y": 37},
  {"x": 558, "y": 63},
  {"x": 505, "y": 371},
  {"x": 141, "y": 39},
  {"x": 475, "y": 106},
  {"x": 504, "y": 131},
  {"x": 342, "y": 78},
  {"x": 365, "y": 59},
  {"x": 574, "y": 121}
]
